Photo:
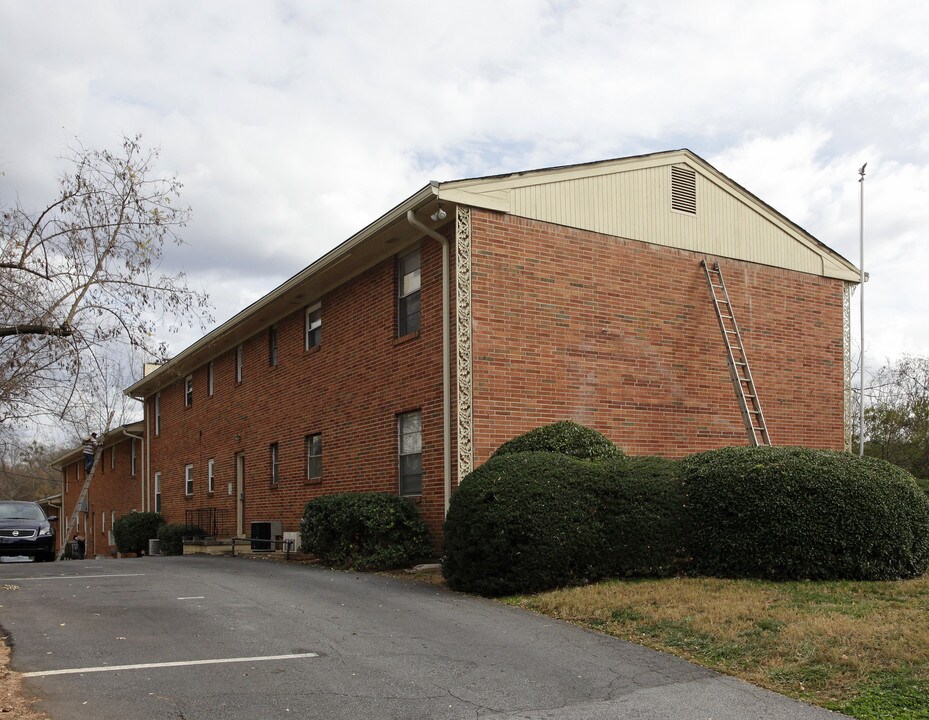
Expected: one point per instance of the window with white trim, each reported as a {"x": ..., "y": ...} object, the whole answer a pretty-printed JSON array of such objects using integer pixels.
[
  {"x": 314, "y": 326},
  {"x": 188, "y": 479},
  {"x": 132, "y": 457},
  {"x": 410, "y": 450},
  {"x": 209, "y": 378},
  {"x": 157, "y": 492},
  {"x": 112, "y": 457},
  {"x": 239, "y": 362},
  {"x": 314, "y": 456},
  {"x": 158, "y": 413},
  {"x": 188, "y": 391},
  {"x": 408, "y": 285},
  {"x": 211, "y": 475}
]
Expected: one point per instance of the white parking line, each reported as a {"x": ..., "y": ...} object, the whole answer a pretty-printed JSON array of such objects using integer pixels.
[
  {"x": 73, "y": 577},
  {"x": 178, "y": 663},
  {"x": 193, "y": 597}
]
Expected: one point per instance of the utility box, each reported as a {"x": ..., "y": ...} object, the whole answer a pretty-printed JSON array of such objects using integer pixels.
[{"x": 264, "y": 533}]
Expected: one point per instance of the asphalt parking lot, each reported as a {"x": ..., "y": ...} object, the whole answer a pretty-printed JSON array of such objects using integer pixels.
[{"x": 203, "y": 638}]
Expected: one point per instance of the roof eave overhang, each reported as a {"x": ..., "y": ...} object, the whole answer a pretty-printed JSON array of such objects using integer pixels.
[{"x": 226, "y": 334}]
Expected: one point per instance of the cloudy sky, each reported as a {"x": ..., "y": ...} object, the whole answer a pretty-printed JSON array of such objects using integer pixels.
[{"x": 294, "y": 124}]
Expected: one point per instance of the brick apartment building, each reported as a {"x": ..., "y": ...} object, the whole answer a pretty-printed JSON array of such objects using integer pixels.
[
  {"x": 480, "y": 308},
  {"x": 116, "y": 489}
]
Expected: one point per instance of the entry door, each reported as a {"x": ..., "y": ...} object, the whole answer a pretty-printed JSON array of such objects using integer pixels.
[{"x": 240, "y": 495}]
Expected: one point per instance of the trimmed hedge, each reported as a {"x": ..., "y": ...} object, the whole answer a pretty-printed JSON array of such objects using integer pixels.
[
  {"x": 564, "y": 437},
  {"x": 776, "y": 512},
  {"x": 133, "y": 531},
  {"x": 171, "y": 537},
  {"x": 532, "y": 521},
  {"x": 923, "y": 484},
  {"x": 525, "y": 522},
  {"x": 646, "y": 510},
  {"x": 364, "y": 531}
]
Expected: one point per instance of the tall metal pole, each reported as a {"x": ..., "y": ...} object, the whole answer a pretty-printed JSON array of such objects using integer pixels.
[{"x": 861, "y": 313}]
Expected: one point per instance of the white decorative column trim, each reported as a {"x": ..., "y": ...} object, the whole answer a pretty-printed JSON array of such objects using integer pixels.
[
  {"x": 847, "y": 290},
  {"x": 463, "y": 335}
]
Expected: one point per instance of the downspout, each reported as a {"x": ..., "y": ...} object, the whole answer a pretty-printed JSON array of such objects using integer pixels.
[
  {"x": 141, "y": 456},
  {"x": 446, "y": 355},
  {"x": 148, "y": 453}
]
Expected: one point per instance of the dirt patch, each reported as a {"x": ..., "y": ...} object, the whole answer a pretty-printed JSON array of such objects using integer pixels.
[{"x": 12, "y": 702}]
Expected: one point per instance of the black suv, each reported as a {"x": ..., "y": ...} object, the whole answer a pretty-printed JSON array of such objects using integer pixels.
[{"x": 24, "y": 530}]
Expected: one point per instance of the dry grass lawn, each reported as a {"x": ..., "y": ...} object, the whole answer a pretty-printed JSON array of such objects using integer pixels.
[{"x": 859, "y": 647}]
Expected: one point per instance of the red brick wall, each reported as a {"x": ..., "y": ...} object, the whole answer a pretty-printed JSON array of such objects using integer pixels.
[
  {"x": 350, "y": 390},
  {"x": 113, "y": 488},
  {"x": 622, "y": 336}
]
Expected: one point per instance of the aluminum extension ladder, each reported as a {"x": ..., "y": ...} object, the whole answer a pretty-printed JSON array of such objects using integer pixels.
[
  {"x": 739, "y": 370},
  {"x": 81, "y": 499}
]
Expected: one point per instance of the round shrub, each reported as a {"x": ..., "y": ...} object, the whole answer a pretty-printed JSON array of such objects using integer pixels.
[
  {"x": 133, "y": 531},
  {"x": 171, "y": 537},
  {"x": 364, "y": 531},
  {"x": 564, "y": 437},
  {"x": 779, "y": 512},
  {"x": 525, "y": 522}
]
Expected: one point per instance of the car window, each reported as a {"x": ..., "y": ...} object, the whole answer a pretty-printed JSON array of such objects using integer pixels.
[{"x": 24, "y": 511}]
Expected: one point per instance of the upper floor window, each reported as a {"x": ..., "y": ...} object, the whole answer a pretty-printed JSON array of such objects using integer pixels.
[
  {"x": 132, "y": 456},
  {"x": 408, "y": 282},
  {"x": 211, "y": 475},
  {"x": 410, "y": 446},
  {"x": 314, "y": 456},
  {"x": 188, "y": 391},
  {"x": 188, "y": 479},
  {"x": 158, "y": 413},
  {"x": 314, "y": 326},
  {"x": 239, "y": 362},
  {"x": 209, "y": 378},
  {"x": 113, "y": 457},
  {"x": 275, "y": 463},
  {"x": 272, "y": 346}
]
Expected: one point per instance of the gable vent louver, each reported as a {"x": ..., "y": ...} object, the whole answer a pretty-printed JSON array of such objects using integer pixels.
[{"x": 683, "y": 190}]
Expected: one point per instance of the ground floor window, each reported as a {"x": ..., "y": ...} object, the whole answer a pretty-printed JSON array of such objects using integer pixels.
[
  {"x": 188, "y": 479},
  {"x": 410, "y": 444},
  {"x": 157, "y": 492}
]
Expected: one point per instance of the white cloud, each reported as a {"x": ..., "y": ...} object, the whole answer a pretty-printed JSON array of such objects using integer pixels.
[{"x": 295, "y": 124}]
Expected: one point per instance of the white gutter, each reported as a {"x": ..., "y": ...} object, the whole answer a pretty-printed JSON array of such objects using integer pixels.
[{"x": 446, "y": 356}]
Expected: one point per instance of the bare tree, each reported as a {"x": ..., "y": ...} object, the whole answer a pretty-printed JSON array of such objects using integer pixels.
[
  {"x": 25, "y": 472},
  {"x": 82, "y": 273},
  {"x": 897, "y": 418}
]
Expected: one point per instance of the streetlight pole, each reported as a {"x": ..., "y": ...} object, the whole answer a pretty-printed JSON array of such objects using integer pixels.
[{"x": 861, "y": 313}]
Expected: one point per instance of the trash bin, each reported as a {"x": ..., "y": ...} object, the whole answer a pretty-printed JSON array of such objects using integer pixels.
[{"x": 154, "y": 546}]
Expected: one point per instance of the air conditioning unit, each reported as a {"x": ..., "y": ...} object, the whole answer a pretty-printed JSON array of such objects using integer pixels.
[{"x": 264, "y": 532}]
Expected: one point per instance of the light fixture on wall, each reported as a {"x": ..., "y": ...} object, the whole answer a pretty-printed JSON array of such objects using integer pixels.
[{"x": 439, "y": 214}]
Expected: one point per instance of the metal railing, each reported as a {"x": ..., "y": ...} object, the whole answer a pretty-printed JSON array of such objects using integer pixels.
[
  {"x": 286, "y": 545},
  {"x": 212, "y": 520}
]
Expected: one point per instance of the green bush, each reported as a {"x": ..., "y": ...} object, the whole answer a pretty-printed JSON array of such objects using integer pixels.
[
  {"x": 525, "y": 522},
  {"x": 776, "y": 512},
  {"x": 133, "y": 531},
  {"x": 364, "y": 531},
  {"x": 923, "y": 484},
  {"x": 645, "y": 528},
  {"x": 171, "y": 537},
  {"x": 531, "y": 521},
  {"x": 564, "y": 437}
]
